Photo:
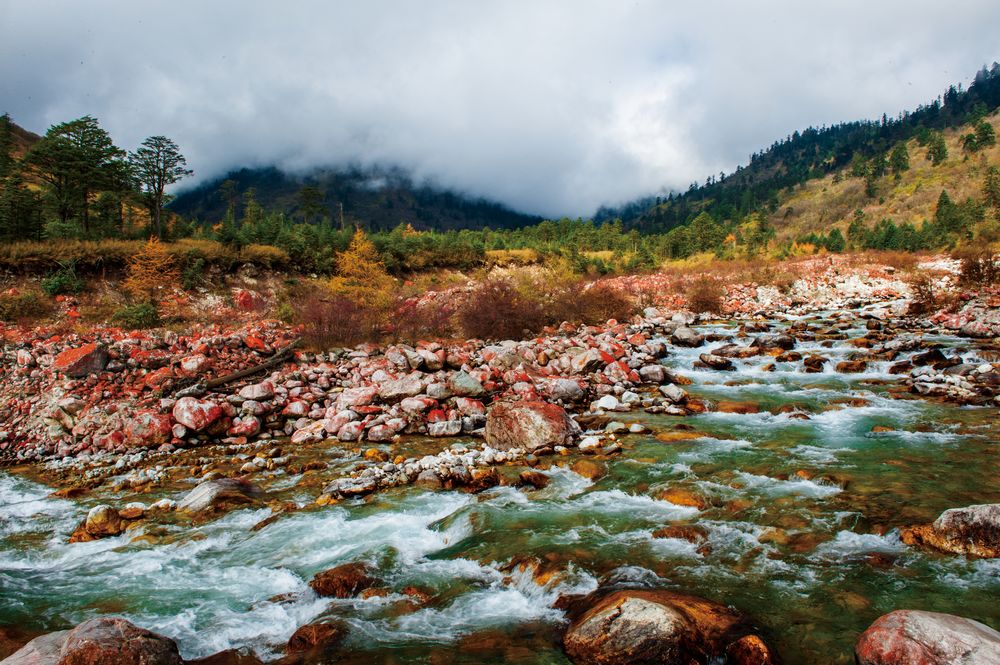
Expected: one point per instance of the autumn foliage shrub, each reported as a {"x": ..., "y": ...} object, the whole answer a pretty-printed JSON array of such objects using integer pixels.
[
  {"x": 495, "y": 309},
  {"x": 329, "y": 320},
  {"x": 591, "y": 304},
  {"x": 925, "y": 297},
  {"x": 979, "y": 267},
  {"x": 705, "y": 295},
  {"x": 413, "y": 320},
  {"x": 152, "y": 272}
]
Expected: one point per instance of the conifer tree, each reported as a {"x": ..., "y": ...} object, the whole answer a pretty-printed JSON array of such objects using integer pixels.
[{"x": 151, "y": 272}]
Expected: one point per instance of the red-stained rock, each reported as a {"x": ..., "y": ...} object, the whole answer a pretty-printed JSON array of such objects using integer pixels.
[
  {"x": 114, "y": 641},
  {"x": 912, "y": 637},
  {"x": 149, "y": 429},
  {"x": 321, "y": 636},
  {"x": 529, "y": 425},
  {"x": 82, "y": 361},
  {"x": 195, "y": 365},
  {"x": 196, "y": 414},
  {"x": 344, "y": 581},
  {"x": 972, "y": 530}
]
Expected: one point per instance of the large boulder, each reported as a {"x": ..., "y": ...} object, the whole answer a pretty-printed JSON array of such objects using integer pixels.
[
  {"x": 529, "y": 426},
  {"x": 102, "y": 521},
  {"x": 394, "y": 390},
  {"x": 685, "y": 336},
  {"x": 663, "y": 627},
  {"x": 464, "y": 384},
  {"x": 196, "y": 414},
  {"x": 344, "y": 581},
  {"x": 219, "y": 493},
  {"x": 973, "y": 530},
  {"x": 81, "y": 361},
  {"x": 912, "y": 637},
  {"x": 149, "y": 428},
  {"x": 115, "y": 641}
]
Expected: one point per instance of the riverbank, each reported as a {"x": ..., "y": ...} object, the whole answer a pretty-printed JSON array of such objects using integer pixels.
[{"x": 768, "y": 461}]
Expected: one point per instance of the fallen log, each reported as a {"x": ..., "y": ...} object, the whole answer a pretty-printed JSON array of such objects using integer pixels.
[{"x": 200, "y": 388}]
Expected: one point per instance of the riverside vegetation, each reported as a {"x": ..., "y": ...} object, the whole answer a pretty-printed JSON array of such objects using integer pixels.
[{"x": 724, "y": 428}]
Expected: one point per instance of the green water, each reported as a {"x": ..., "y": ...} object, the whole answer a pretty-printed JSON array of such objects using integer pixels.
[{"x": 814, "y": 561}]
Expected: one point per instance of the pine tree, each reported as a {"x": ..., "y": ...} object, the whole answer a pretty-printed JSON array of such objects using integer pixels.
[
  {"x": 991, "y": 187},
  {"x": 899, "y": 160},
  {"x": 158, "y": 163}
]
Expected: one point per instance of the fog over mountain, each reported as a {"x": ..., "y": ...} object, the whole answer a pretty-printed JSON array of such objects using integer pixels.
[{"x": 551, "y": 108}]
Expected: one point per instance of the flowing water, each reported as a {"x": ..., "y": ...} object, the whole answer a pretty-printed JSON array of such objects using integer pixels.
[{"x": 801, "y": 521}]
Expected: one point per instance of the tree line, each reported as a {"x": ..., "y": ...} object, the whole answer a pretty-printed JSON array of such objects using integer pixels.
[{"x": 75, "y": 182}]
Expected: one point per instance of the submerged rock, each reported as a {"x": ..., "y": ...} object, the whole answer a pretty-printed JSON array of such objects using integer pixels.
[
  {"x": 529, "y": 426},
  {"x": 115, "y": 641},
  {"x": 912, "y": 637},
  {"x": 656, "y": 627},
  {"x": 973, "y": 530},
  {"x": 217, "y": 493}
]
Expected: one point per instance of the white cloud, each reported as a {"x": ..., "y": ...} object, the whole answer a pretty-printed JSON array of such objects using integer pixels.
[{"x": 551, "y": 107}]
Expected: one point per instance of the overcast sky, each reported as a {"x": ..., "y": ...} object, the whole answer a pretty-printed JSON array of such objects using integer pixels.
[{"x": 550, "y": 107}]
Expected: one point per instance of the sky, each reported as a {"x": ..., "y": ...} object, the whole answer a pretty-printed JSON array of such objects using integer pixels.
[{"x": 553, "y": 108}]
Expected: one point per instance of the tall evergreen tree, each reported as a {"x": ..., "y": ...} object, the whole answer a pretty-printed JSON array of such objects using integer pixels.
[{"x": 158, "y": 163}]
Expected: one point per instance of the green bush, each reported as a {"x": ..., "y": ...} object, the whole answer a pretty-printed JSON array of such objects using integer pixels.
[
  {"x": 191, "y": 275},
  {"x": 143, "y": 315},
  {"x": 62, "y": 281}
]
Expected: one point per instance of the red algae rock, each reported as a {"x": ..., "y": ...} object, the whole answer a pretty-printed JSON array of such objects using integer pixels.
[
  {"x": 82, "y": 361},
  {"x": 149, "y": 429},
  {"x": 115, "y": 641},
  {"x": 196, "y": 414},
  {"x": 912, "y": 637},
  {"x": 529, "y": 425},
  {"x": 344, "y": 581}
]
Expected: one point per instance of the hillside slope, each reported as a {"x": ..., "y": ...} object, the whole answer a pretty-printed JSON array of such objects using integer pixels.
[
  {"x": 820, "y": 204},
  {"x": 379, "y": 199}
]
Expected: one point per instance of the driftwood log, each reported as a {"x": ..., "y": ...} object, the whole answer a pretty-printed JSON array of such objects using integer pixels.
[{"x": 200, "y": 388}]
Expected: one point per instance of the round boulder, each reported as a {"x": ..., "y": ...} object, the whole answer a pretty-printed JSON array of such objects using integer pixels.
[
  {"x": 912, "y": 637},
  {"x": 115, "y": 641},
  {"x": 529, "y": 426},
  {"x": 662, "y": 628}
]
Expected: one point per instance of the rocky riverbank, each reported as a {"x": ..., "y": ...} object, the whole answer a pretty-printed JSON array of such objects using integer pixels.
[{"x": 135, "y": 420}]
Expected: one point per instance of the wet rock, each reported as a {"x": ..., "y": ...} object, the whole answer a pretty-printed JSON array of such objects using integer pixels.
[
  {"x": 688, "y": 337},
  {"x": 973, "y": 530},
  {"x": 115, "y": 641},
  {"x": 590, "y": 469},
  {"x": 713, "y": 361},
  {"x": 529, "y": 426},
  {"x": 814, "y": 364},
  {"x": 737, "y": 407},
  {"x": 912, "y": 637},
  {"x": 321, "y": 636},
  {"x": 344, "y": 581},
  {"x": 218, "y": 493},
  {"x": 535, "y": 479},
  {"x": 689, "y": 532},
  {"x": 852, "y": 366},
  {"x": 680, "y": 496},
  {"x": 653, "y": 373},
  {"x": 656, "y": 627},
  {"x": 228, "y": 657},
  {"x": 82, "y": 361}
]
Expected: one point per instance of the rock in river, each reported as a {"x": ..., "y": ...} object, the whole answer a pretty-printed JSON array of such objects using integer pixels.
[
  {"x": 911, "y": 637},
  {"x": 100, "y": 641},
  {"x": 971, "y": 530},
  {"x": 685, "y": 336},
  {"x": 529, "y": 426},
  {"x": 647, "y": 627},
  {"x": 344, "y": 581},
  {"x": 217, "y": 493}
]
